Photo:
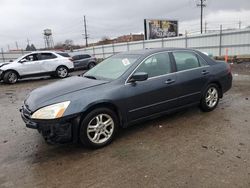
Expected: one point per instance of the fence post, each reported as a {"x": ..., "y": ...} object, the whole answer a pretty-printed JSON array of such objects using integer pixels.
[
  {"x": 103, "y": 55},
  {"x": 2, "y": 54},
  {"x": 113, "y": 47},
  {"x": 186, "y": 40},
  {"x": 220, "y": 40},
  {"x": 127, "y": 46},
  {"x": 93, "y": 50}
]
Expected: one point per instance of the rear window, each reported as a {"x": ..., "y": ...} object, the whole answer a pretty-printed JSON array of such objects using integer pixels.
[
  {"x": 45, "y": 56},
  {"x": 64, "y": 54}
]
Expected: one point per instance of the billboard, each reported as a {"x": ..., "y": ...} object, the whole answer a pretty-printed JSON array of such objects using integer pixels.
[{"x": 155, "y": 29}]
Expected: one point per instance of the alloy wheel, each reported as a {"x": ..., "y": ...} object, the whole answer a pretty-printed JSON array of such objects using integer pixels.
[
  {"x": 100, "y": 128},
  {"x": 62, "y": 72},
  {"x": 12, "y": 77},
  {"x": 212, "y": 97}
]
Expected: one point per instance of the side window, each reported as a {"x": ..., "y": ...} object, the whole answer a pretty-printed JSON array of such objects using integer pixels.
[
  {"x": 202, "y": 61},
  {"x": 156, "y": 65},
  {"x": 46, "y": 56},
  {"x": 76, "y": 57},
  {"x": 85, "y": 56},
  {"x": 185, "y": 60},
  {"x": 32, "y": 57},
  {"x": 82, "y": 57}
]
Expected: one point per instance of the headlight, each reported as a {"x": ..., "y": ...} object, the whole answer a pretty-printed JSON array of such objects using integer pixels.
[{"x": 51, "y": 112}]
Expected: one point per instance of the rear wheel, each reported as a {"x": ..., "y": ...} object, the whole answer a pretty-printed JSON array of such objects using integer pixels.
[
  {"x": 210, "y": 98},
  {"x": 10, "y": 77},
  {"x": 98, "y": 128},
  {"x": 62, "y": 72}
]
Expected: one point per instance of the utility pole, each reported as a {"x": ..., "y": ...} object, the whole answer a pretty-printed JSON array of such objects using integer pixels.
[
  {"x": 16, "y": 45},
  {"x": 86, "y": 34},
  {"x": 28, "y": 41},
  {"x": 202, "y": 5},
  {"x": 239, "y": 24},
  {"x": 205, "y": 27}
]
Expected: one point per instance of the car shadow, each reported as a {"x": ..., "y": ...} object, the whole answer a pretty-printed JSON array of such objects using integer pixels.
[
  {"x": 77, "y": 151},
  {"x": 159, "y": 122}
]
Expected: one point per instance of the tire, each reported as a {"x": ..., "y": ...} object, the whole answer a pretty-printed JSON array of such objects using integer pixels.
[
  {"x": 10, "y": 77},
  {"x": 95, "y": 135},
  {"x": 62, "y": 72},
  {"x": 210, "y": 98},
  {"x": 91, "y": 65}
]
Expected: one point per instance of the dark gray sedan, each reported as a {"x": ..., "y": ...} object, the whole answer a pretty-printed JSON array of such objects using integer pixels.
[{"x": 123, "y": 90}]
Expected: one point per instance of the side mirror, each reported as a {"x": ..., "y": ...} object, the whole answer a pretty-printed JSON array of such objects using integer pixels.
[
  {"x": 22, "y": 61},
  {"x": 138, "y": 76}
]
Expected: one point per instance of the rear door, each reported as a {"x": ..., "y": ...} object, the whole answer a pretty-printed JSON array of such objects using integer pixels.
[
  {"x": 48, "y": 62},
  {"x": 156, "y": 94},
  {"x": 84, "y": 60},
  {"x": 191, "y": 77}
]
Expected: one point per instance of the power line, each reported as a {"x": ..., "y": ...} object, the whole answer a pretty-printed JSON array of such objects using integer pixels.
[{"x": 202, "y": 5}]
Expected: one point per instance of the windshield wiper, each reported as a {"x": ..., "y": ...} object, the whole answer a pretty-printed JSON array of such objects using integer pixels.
[{"x": 90, "y": 77}]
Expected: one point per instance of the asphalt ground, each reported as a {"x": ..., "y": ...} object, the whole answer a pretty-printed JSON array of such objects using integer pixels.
[{"x": 185, "y": 149}]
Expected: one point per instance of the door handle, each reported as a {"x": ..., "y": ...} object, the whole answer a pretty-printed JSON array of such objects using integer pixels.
[
  {"x": 205, "y": 72},
  {"x": 169, "y": 81}
]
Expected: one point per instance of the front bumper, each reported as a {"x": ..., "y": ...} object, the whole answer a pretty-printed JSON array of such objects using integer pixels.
[
  {"x": 63, "y": 130},
  {"x": 1, "y": 75}
]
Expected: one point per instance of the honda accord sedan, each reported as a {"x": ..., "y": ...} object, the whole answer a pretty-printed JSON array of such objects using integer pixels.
[{"x": 125, "y": 89}]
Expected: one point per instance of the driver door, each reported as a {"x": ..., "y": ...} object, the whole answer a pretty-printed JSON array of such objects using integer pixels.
[
  {"x": 155, "y": 95},
  {"x": 30, "y": 65}
]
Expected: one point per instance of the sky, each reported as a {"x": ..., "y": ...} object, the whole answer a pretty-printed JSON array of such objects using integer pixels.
[{"x": 26, "y": 19}]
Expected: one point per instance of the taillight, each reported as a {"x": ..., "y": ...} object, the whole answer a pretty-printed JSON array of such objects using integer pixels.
[{"x": 71, "y": 59}]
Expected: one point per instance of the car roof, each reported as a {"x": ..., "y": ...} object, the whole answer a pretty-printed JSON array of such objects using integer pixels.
[
  {"x": 44, "y": 51},
  {"x": 83, "y": 54},
  {"x": 149, "y": 51}
]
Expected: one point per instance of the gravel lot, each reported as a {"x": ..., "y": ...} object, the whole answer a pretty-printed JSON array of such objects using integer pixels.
[{"x": 185, "y": 149}]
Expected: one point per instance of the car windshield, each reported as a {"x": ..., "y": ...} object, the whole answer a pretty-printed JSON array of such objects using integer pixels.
[{"x": 112, "y": 68}]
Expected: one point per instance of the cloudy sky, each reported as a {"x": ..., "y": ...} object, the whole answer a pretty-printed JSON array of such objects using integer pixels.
[{"x": 26, "y": 19}]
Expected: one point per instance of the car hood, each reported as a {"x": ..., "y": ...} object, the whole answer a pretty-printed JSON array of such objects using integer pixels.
[
  {"x": 4, "y": 63},
  {"x": 8, "y": 65},
  {"x": 39, "y": 96}
]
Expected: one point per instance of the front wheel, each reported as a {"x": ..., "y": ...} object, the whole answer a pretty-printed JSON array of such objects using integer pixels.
[
  {"x": 210, "y": 98},
  {"x": 62, "y": 72},
  {"x": 98, "y": 128},
  {"x": 10, "y": 77}
]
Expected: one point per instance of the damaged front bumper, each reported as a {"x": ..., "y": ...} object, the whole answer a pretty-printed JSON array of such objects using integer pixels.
[
  {"x": 1, "y": 74},
  {"x": 63, "y": 130}
]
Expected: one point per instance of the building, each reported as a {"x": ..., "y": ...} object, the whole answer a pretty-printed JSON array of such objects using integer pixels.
[{"x": 129, "y": 38}]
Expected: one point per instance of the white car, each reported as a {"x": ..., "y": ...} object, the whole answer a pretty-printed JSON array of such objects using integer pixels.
[{"x": 39, "y": 63}]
